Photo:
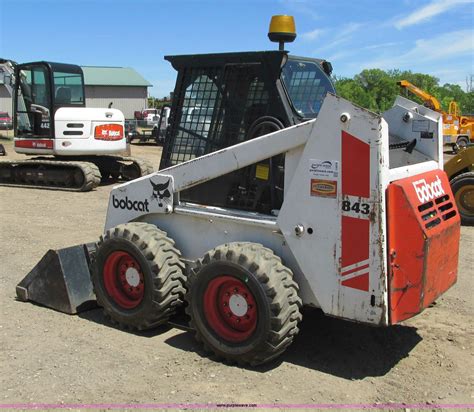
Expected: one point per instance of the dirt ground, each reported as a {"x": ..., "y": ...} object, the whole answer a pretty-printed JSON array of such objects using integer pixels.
[{"x": 50, "y": 357}]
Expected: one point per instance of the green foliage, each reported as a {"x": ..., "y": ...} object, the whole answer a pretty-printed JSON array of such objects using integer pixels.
[
  {"x": 376, "y": 89},
  {"x": 468, "y": 105},
  {"x": 156, "y": 103}
]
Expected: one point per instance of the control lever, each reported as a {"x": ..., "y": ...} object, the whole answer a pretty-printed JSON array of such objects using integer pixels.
[{"x": 410, "y": 146}]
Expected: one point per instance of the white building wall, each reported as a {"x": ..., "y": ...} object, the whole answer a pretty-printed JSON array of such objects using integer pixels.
[
  {"x": 128, "y": 99},
  {"x": 5, "y": 100}
]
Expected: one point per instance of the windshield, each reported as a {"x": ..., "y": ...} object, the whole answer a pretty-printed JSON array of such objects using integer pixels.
[{"x": 307, "y": 85}]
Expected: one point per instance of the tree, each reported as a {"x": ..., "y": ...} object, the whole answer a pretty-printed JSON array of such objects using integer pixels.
[
  {"x": 376, "y": 89},
  {"x": 353, "y": 91}
]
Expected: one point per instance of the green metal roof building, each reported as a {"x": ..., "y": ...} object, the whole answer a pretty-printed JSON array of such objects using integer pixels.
[{"x": 126, "y": 89}]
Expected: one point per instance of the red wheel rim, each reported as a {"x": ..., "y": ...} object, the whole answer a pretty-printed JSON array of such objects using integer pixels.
[
  {"x": 123, "y": 279},
  {"x": 230, "y": 308}
]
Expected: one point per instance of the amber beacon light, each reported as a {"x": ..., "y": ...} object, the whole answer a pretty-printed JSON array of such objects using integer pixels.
[{"x": 282, "y": 30}]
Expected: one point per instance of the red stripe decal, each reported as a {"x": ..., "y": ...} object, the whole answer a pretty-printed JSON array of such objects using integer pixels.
[
  {"x": 359, "y": 282},
  {"x": 34, "y": 144},
  {"x": 355, "y": 166},
  {"x": 355, "y": 237},
  {"x": 355, "y": 240}
]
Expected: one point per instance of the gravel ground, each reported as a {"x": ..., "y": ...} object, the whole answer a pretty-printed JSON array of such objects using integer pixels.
[{"x": 49, "y": 357}]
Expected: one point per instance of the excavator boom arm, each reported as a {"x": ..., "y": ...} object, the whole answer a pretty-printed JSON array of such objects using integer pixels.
[{"x": 426, "y": 97}]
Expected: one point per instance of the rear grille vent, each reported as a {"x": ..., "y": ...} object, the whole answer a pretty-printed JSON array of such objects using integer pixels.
[
  {"x": 75, "y": 125},
  {"x": 445, "y": 207},
  {"x": 434, "y": 213},
  {"x": 429, "y": 215},
  {"x": 442, "y": 199},
  {"x": 425, "y": 206},
  {"x": 72, "y": 133},
  {"x": 449, "y": 215},
  {"x": 433, "y": 223}
]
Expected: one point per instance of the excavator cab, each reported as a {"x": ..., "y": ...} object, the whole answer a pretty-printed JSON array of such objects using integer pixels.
[
  {"x": 224, "y": 99},
  {"x": 40, "y": 89}
]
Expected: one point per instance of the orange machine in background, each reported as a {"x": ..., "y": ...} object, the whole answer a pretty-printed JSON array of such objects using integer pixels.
[{"x": 458, "y": 130}]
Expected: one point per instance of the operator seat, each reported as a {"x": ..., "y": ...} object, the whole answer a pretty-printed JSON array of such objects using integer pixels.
[{"x": 63, "y": 96}]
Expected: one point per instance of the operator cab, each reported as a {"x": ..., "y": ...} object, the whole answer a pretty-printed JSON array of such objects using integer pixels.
[
  {"x": 224, "y": 99},
  {"x": 40, "y": 89}
]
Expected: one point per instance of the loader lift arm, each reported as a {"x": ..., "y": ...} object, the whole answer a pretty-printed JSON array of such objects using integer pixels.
[{"x": 199, "y": 170}]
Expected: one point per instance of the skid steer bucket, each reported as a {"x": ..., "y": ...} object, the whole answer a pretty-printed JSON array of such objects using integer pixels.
[{"x": 61, "y": 280}]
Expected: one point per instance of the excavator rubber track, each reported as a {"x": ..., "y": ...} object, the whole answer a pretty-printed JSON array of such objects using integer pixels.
[
  {"x": 75, "y": 176},
  {"x": 79, "y": 174},
  {"x": 145, "y": 166},
  {"x": 121, "y": 168}
]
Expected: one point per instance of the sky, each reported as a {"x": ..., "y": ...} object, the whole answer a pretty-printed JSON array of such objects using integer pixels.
[{"x": 435, "y": 37}]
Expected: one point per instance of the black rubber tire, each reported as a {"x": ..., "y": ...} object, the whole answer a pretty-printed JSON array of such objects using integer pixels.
[
  {"x": 275, "y": 293},
  {"x": 457, "y": 184},
  {"x": 162, "y": 269},
  {"x": 462, "y": 142},
  {"x": 270, "y": 123}
]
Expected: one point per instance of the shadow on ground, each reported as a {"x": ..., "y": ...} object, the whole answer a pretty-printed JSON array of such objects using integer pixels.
[
  {"x": 97, "y": 316},
  {"x": 150, "y": 142},
  {"x": 346, "y": 349}
]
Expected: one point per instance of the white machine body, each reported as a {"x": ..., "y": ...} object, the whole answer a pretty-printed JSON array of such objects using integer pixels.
[
  {"x": 80, "y": 131},
  {"x": 331, "y": 230}
]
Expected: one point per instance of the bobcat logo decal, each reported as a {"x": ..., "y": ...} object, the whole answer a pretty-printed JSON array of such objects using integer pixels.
[{"x": 160, "y": 192}]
